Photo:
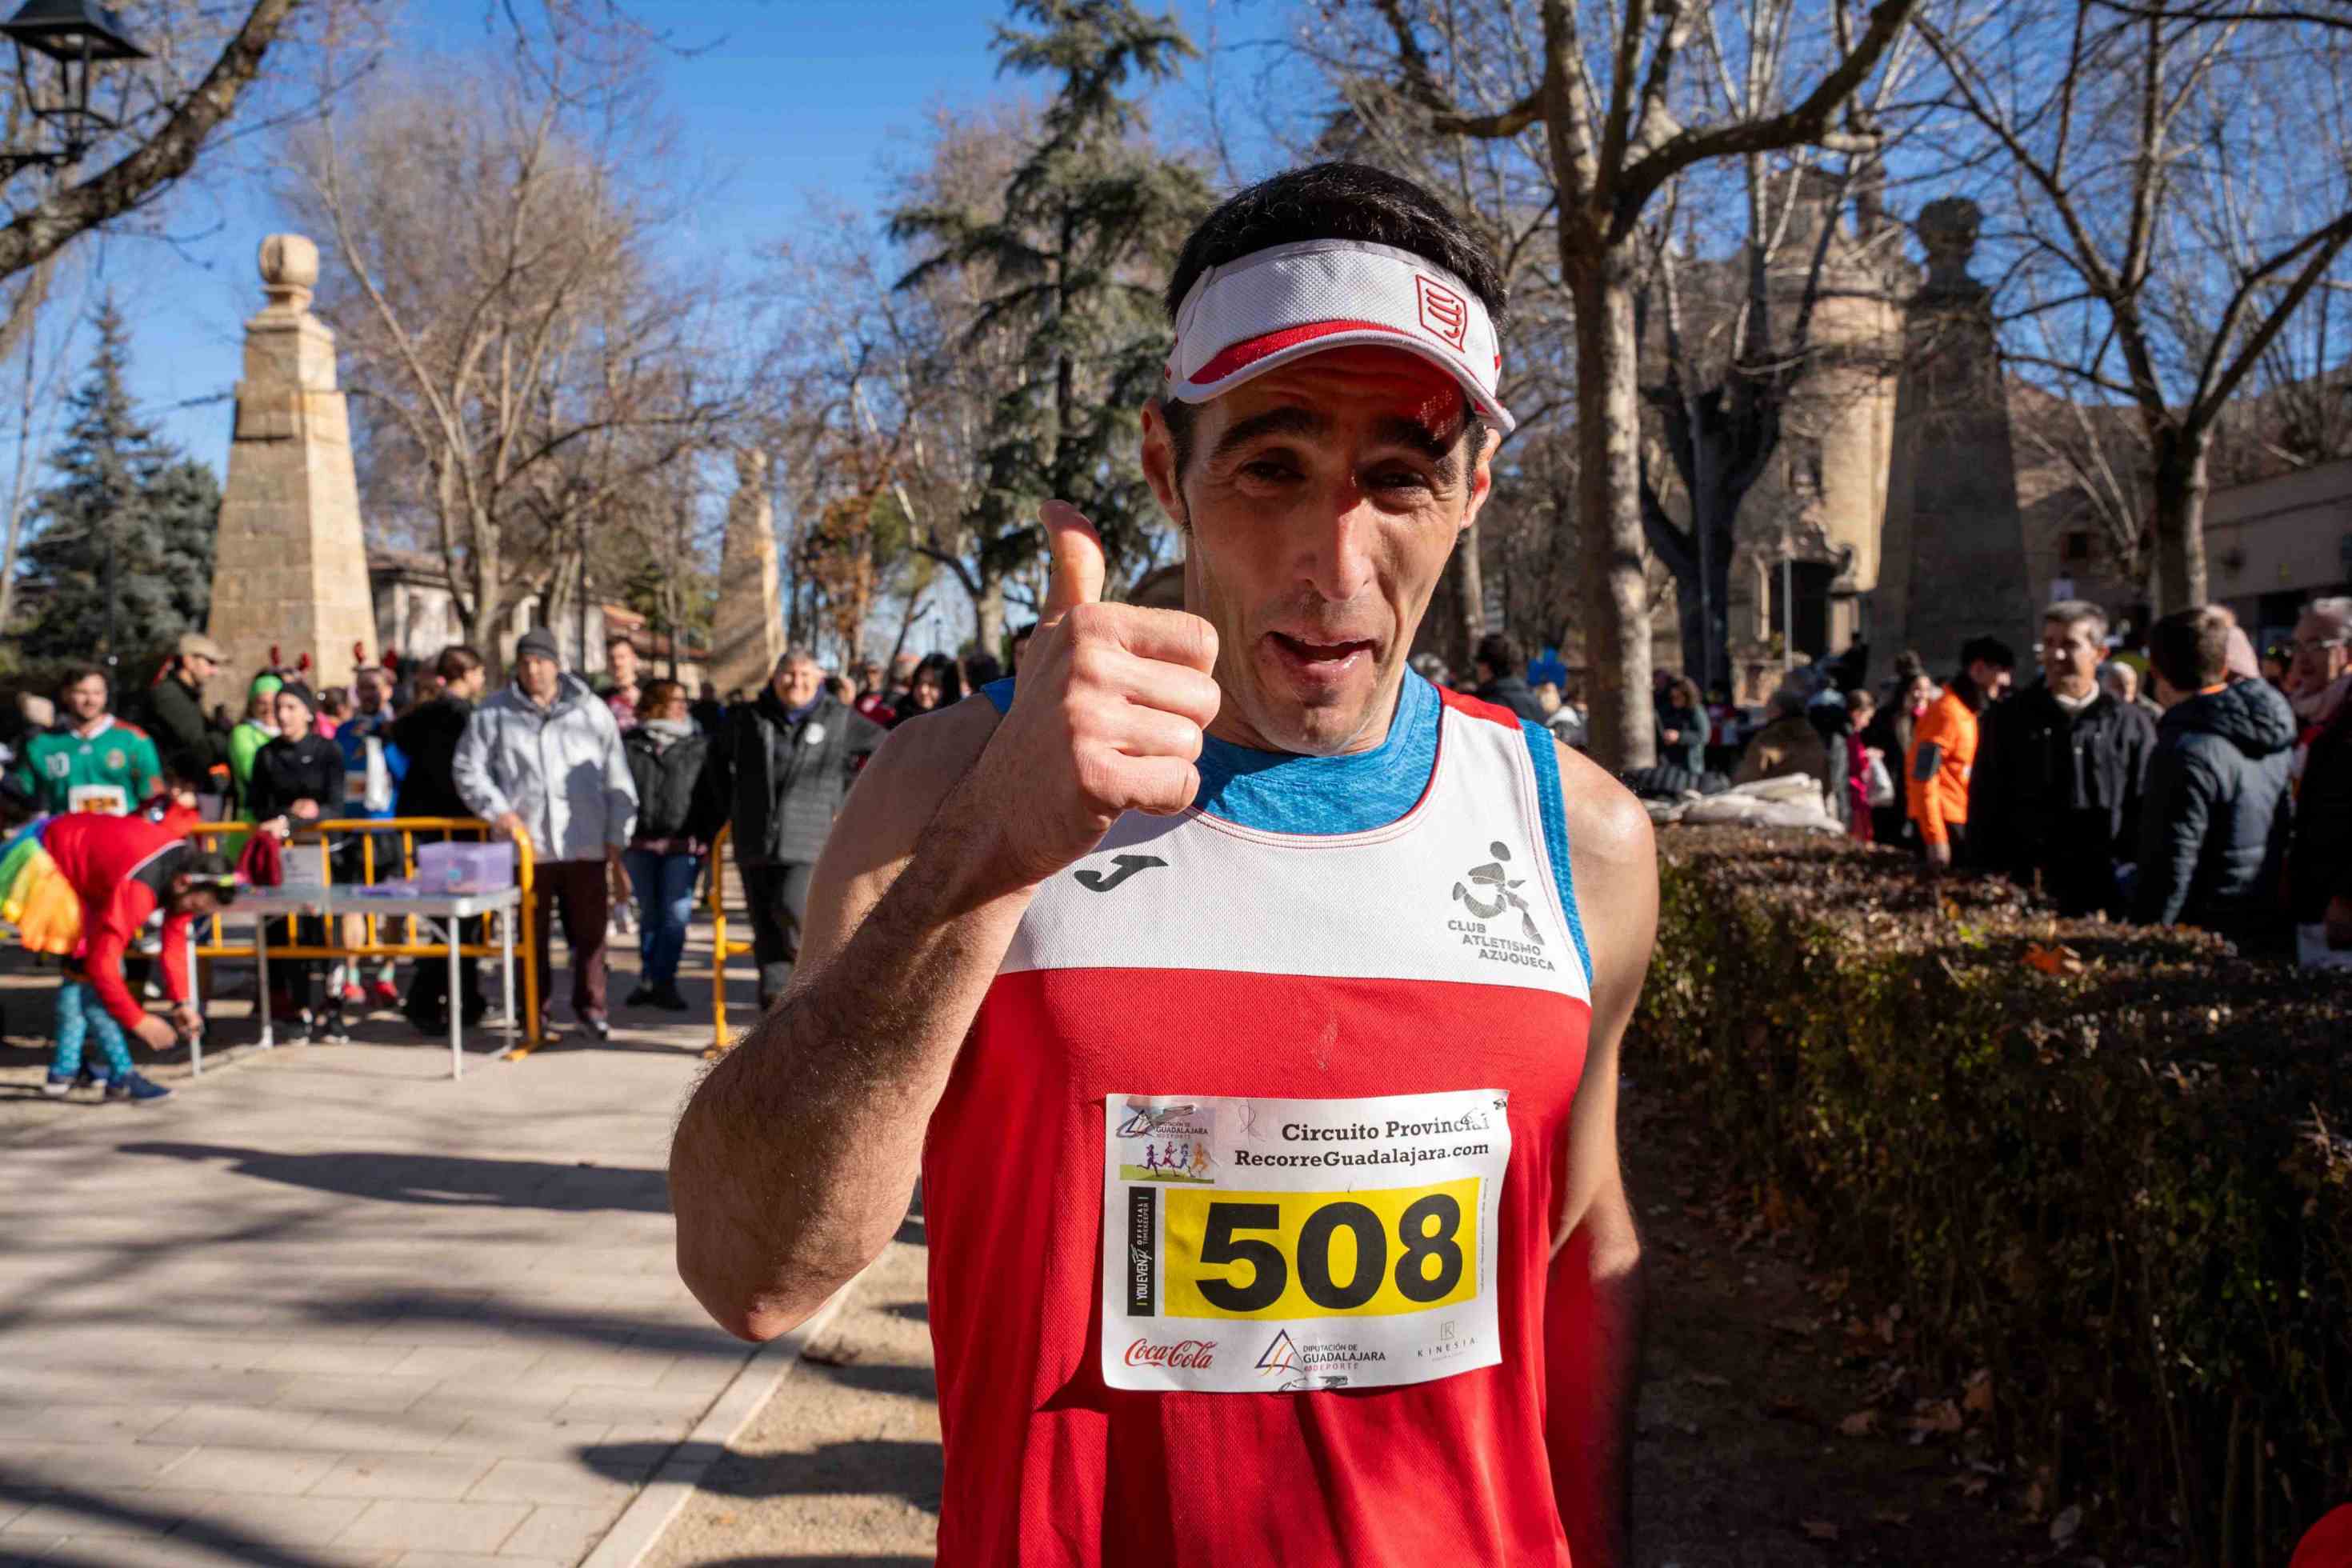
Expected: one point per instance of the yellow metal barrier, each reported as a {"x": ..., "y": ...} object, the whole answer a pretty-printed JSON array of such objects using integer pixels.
[
  {"x": 313, "y": 836},
  {"x": 721, "y": 950}
]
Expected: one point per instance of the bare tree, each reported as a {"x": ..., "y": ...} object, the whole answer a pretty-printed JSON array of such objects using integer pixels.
[
  {"x": 1812, "y": 293},
  {"x": 516, "y": 350},
  {"x": 879, "y": 413},
  {"x": 1607, "y": 91},
  {"x": 37, "y": 405},
  {"x": 1504, "y": 199},
  {"x": 151, "y": 118},
  {"x": 2178, "y": 175}
]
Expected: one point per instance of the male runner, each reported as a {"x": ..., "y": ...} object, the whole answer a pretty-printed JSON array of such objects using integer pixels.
[
  {"x": 1206, "y": 875},
  {"x": 91, "y": 760},
  {"x": 123, "y": 870}
]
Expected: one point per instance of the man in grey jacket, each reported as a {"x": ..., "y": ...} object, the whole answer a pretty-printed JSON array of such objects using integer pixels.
[{"x": 542, "y": 760}]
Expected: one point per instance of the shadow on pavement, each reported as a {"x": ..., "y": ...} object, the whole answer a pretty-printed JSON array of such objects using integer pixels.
[
  {"x": 820, "y": 1563},
  {"x": 878, "y": 1377},
  {"x": 587, "y": 1328},
  {"x": 446, "y": 1181},
  {"x": 190, "y": 1535},
  {"x": 860, "y": 1467}
]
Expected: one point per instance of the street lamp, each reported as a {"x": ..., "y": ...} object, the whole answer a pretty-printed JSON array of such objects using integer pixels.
[{"x": 76, "y": 36}]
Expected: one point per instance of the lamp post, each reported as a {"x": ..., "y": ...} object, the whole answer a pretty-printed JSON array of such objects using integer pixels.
[{"x": 75, "y": 37}]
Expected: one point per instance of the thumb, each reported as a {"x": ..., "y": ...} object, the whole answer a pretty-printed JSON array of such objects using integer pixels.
[{"x": 1077, "y": 552}]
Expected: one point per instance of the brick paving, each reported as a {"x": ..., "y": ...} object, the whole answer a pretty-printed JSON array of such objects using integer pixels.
[{"x": 328, "y": 1307}]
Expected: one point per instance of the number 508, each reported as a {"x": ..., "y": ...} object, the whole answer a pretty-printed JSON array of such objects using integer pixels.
[{"x": 1302, "y": 1255}]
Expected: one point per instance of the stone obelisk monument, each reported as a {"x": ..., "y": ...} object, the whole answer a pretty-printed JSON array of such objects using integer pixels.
[
  {"x": 747, "y": 635},
  {"x": 1952, "y": 561},
  {"x": 289, "y": 571}
]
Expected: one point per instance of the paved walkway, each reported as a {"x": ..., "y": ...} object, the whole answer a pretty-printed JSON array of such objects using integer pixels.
[{"x": 328, "y": 1307}]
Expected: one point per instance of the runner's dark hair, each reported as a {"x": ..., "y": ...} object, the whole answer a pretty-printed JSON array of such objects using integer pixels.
[
  {"x": 77, "y": 673},
  {"x": 1328, "y": 201}
]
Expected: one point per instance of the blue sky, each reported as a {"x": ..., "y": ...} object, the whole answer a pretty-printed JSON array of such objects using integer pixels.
[{"x": 780, "y": 96}]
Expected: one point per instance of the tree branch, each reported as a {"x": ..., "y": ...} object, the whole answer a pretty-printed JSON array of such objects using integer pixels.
[
  {"x": 162, "y": 158},
  {"x": 1807, "y": 122}
]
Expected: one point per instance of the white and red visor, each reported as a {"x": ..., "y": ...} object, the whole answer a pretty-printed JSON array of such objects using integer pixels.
[{"x": 1272, "y": 306}]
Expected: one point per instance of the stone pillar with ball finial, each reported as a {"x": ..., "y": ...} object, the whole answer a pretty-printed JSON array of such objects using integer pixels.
[
  {"x": 290, "y": 569},
  {"x": 747, "y": 632},
  {"x": 1952, "y": 560}
]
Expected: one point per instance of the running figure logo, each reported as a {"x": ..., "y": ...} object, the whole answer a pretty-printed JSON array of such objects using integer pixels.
[{"x": 1493, "y": 878}]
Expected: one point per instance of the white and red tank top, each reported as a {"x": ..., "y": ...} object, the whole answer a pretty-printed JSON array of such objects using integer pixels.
[{"x": 1241, "y": 1196}]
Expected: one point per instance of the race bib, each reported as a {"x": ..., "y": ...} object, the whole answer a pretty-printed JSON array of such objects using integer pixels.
[
  {"x": 1280, "y": 1245},
  {"x": 105, "y": 798}
]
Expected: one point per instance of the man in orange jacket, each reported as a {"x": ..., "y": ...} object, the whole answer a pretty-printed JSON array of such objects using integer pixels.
[{"x": 1944, "y": 745}]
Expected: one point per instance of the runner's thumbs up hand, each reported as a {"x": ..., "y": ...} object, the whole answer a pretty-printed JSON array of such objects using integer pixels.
[
  {"x": 1077, "y": 555},
  {"x": 1107, "y": 717}
]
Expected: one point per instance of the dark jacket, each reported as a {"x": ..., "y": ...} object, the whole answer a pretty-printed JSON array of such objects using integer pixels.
[
  {"x": 173, "y": 715},
  {"x": 1511, "y": 692},
  {"x": 782, "y": 782},
  {"x": 2059, "y": 794},
  {"x": 287, "y": 771},
  {"x": 2213, "y": 826},
  {"x": 1835, "y": 725},
  {"x": 1691, "y": 728},
  {"x": 428, "y": 738},
  {"x": 2319, "y": 866},
  {"x": 675, "y": 800},
  {"x": 1892, "y": 732}
]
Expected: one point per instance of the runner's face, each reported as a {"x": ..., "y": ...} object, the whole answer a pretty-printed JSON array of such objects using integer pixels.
[
  {"x": 624, "y": 660},
  {"x": 293, "y": 717},
  {"x": 86, "y": 698},
  {"x": 1323, "y": 500}
]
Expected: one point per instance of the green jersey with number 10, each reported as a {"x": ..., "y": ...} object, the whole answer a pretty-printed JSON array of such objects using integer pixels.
[{"x": 110, "y": 771}]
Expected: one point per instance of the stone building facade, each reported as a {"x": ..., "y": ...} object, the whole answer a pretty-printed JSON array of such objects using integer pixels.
[
  {"x": 418, "y": 614},
  {"x": 2273, "y": 545}
]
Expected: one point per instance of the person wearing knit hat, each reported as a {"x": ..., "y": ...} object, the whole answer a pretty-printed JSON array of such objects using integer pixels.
[
  {"x": 542, "y": 760},
  {"x": 258, "y": 728},
  {"x": 297, "y": 778}
]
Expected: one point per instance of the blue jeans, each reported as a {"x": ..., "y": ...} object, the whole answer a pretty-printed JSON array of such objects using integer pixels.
[
  {"x": 79, "y": 1015},
  {"x": 665, "y": 887}
]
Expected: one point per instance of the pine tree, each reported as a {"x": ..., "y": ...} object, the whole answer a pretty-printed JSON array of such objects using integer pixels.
[
  {"x": 1072, "y": 261},
  {"x": 121, "y": 489}
]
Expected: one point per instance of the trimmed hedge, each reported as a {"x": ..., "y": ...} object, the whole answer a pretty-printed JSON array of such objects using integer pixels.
[{"x": 2112, "y": 1164}]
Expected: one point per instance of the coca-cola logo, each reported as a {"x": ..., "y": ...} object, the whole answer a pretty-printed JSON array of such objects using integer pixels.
[{"x": 1191, "y": 1355}]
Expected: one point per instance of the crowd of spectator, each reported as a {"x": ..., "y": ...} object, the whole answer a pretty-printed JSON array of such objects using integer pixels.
[
  {"x": 2185, "y": 781},
  {"x": 621, "y": 788}
]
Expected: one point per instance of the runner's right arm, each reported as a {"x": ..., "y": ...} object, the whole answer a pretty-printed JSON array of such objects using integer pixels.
[{"x": 793, "y": 1164}]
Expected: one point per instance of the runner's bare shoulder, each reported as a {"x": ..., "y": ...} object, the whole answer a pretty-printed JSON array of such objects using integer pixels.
[
  {"x": 1606, "y": 824},
  {"x": 894, "y": 799},
  {"x": 1613, "y": 851},
  {"x": 911, "y": 773}
]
